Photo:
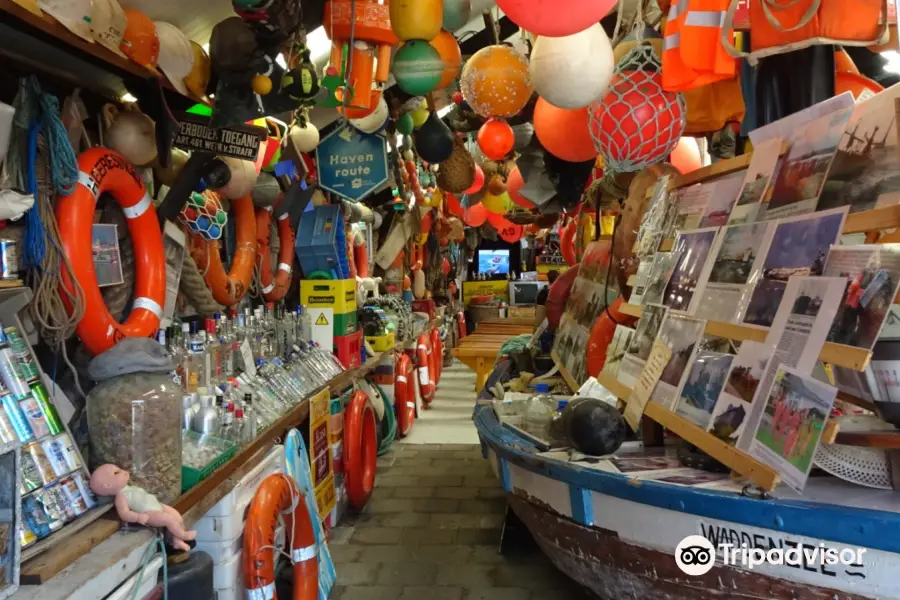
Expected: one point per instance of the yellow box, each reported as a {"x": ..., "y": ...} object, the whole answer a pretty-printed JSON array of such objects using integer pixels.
[
  {"x": 521, "y": 312},
  {"x": 499, "y": 288},
  {"x": 323, "y": 293},
  {"x": 380, "y": 343}
]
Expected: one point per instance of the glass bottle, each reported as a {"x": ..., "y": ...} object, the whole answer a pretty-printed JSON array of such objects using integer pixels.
[
  {"x": 226, "y": 347},
  {"x": 213, "y": 357}
]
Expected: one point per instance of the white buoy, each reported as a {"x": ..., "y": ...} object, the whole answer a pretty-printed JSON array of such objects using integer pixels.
[{"x": 572, "y": 71}]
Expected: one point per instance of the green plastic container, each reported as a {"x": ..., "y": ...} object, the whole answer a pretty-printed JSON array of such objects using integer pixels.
[{"x": 191, "y": 475}]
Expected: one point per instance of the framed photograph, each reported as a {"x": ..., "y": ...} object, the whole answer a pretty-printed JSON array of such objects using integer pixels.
[
  {"x": 660, "y": 274},
  {"x": 105, "y": 250},
  {"x": 756, "y": 182},
  {"x": 616, "y": 349},
  {"x": 646, "y": 331},
  {"x": 702, "y": 387},
  {"x": 681, "y": 334}
]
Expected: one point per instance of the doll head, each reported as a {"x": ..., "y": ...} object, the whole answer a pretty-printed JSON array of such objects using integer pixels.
[{"x": 108, "y": 480}]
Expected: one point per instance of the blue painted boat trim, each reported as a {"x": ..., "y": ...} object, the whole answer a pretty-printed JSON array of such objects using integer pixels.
[
  {"x": 503, "y": 470},
  {"x": 879, "y": 530},
  {"x": 582, "y": 507}
]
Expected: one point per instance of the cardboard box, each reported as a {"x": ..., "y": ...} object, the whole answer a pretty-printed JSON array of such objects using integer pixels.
[{"x": 322, "y": 293}]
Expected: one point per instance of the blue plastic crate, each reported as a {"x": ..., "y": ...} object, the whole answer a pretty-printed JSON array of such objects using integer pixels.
[{"x": 321, "y": 243}]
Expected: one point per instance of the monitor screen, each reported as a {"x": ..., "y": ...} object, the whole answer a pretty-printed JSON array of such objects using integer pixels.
[
  {"x": 524, "y": 292},
  {"x": 493, "y": 262}
]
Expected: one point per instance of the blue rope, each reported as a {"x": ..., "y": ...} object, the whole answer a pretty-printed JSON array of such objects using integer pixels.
[
  {"x": 35, "y": 235},
  {"x": 63, "y": 162}
]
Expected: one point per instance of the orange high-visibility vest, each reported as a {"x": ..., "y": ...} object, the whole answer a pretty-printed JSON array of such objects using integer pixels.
[{"x": 693, "y": 55}]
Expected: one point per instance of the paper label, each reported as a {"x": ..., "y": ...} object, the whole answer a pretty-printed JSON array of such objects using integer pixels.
[
  {"x": 640, "y": 395},
  {"x": 247, "y": 356}
]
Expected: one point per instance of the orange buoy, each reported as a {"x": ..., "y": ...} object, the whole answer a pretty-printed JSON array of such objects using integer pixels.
[
  {"x": 101, "y": 170},
  {"x": 228, "y": 288},
  {"x": 567, "y": 242},
  {"x": 404, "y": 395},
  {"x": 461, "y": 325},
  {"x": 360, "y": 450},
  {"x": 274, "y": 287},
  {"x": 278, "y": 496}
]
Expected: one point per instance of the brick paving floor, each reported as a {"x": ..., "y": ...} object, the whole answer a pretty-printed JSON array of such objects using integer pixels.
[{"x": 431, "y": 532}]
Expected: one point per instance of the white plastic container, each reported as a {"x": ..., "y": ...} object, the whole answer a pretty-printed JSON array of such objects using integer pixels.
[
  {"x": 151, "y": 572},
  {"x": 224, "y": 522}
]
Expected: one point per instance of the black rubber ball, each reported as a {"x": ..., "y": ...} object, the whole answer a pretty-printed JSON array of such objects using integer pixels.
[{"x": 594, "y": 427}]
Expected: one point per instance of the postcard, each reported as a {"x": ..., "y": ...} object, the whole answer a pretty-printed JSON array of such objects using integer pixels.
[
  {"x": 661, "y": 271},
  {"x": 646, "y": 331},
  {"x": 873, "y": 277},
  {"x": 593, "y": 288},
  {"x": 690, "y": 204},
  {"x": 799, "y": 246},
  {"x": 702, "y": 386},
  {"x": 616, "y": 349},
  {"x": 865, "y": 173},
  {"x": 681, "y": 335},
  {"x": 747, "y": 369},
  {"x": 570, "y": 345},
  {"x": 723, "y": 194},
  {"x": 798, "y": 333},
  {"x": 805, "y": 167},
  {"x": 642, "y": 278},
  {"x": 736, "y": 267},
  {"x": 651, "y": 463},
  {"x": 105, "y": 249},
  {"x": 756, "y": 182},
  {"x": 692, "y": 270},
  {"x": 794, "y": 415},
  {"x": 785, "y": 128}
]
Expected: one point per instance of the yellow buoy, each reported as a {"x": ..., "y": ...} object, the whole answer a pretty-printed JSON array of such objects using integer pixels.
[{"x": 417, "y": 19}]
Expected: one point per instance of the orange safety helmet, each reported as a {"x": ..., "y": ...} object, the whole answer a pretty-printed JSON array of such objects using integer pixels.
[
  {"x": 140, "y": 42},
  {"x": 198, "y": 78}
]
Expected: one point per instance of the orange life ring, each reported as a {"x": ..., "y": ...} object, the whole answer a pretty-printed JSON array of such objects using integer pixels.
[
  {"x": 360, "y": 450},
  {"x": 437, "y": 356},
  {"x": 423, "y": 362},
  {"x": 101, "y": 170},
  {"x": 404, "y": 395},
  {"x": 567, "y": 242},
  {"x": 274, "y": 287},
  {"x": 278, "y": 495},
  {"x": 228, "y": 288}
]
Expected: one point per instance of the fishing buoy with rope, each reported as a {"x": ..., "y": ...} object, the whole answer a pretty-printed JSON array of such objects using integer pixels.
[
  {"x": 423, "y": 362},
  {"x": 274, "y": 287},
  {"x": 360, "y": 450},
  {"x": 229, "y": 287},
  {"x": 278, "y": 496},
  {"x": 404, "y": 395},
  {"x": 103, "y": 171}
]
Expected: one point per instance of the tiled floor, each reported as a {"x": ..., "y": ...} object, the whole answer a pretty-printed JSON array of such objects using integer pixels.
[{"x": 432, "y": 528}]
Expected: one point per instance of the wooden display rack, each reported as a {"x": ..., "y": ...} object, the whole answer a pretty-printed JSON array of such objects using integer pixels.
[{"x": 873, "y": 223}]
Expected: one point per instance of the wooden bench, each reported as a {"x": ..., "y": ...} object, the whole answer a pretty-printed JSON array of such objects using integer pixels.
[{"x": 479, "y": 350}]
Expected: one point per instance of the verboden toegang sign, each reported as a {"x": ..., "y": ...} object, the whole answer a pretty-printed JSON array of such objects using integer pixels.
[{"x": 352, "y": 164}]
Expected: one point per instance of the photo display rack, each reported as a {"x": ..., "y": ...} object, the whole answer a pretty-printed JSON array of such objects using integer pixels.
[{"x": 876, "y": 225}]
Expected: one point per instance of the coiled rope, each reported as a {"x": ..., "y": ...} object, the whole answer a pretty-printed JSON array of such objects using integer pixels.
[{"x": 194, "y": 288}]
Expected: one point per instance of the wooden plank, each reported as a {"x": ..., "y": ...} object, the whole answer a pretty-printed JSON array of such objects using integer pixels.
[
  {"x": 43, "y": 567},
  {"x": 887, "y": 217},
  {"x": 835, "y": 354},
  {"x": 861, "y": 403},
  {"x": 830, "y": 431},
  {"x": 716, "y": 169},
  {"x": 870, "y": 439}
]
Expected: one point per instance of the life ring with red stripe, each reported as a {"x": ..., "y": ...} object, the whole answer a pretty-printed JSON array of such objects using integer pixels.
[
  {"x": 404, "y": 395},
  {"x": 276, "y": 496},
  {"x": 229, "y": 287},
  {"x": 360, "y": 450},
  {"x": 423, "y": 368},
  {"x": 461, "y": 324},
  {"x": 274, "y": 287},
  {"x": 437, "y": 356},
  {"x": 101, "y": 170}
]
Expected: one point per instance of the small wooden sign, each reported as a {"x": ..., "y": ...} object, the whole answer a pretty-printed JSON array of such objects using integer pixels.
[
  {"x": 640, "y": 395},
  {"x": 320, "y": 451}
]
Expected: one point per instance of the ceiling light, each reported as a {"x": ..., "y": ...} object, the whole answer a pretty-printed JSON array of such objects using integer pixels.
[
  {"x": 281, "y": 62},
  {"x": 318, "y": 43},
  {"x": 128, "y": 98}
]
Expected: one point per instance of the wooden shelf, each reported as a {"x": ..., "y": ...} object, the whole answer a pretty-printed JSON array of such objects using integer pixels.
[
  {"x": 889, "y": 440},
  {"x": 759, "y": 473},
  {"x": 834, "y": 354}
]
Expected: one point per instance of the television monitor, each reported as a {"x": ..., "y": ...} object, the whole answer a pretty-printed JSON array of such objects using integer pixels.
[
  {"x": 524, "y": 293},
  {"x": 493, "y": 262}
]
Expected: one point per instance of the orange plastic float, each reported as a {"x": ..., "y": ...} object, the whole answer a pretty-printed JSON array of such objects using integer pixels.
[
  {"x": 404, "y": 395},
  {"x": 423, "y": 367},
  {"x": 461, "y": 325},
  {"x": 373, "y": 38},
  {"x": 360, "y": 450},
  {"x": 567, "y": 242},
  {"x": 101, "y": 170},
  {"x": 228, "y": 288},
  {"x": 274, "y": 287},
  {"x": 278, "y": 496}
]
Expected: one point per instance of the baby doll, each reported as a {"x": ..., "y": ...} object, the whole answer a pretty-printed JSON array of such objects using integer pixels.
[{"x": 135, "y": 505}]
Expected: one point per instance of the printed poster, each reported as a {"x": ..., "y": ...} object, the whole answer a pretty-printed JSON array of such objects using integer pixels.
[
  {"x": 729, "y": 415},
  {"x": 723, "y": 193},
  {"x": 681, "y": 335},
  {"x": 702, "y": 386},
  {"x": 320, "y": 451},
  {"x": 795, "y": 409},
  {"x": 756, "y": 182},
  {"x": 692, "y": 270},
  {"x": 641, "y": 343},
  {"x": 105, "y": 250}
]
